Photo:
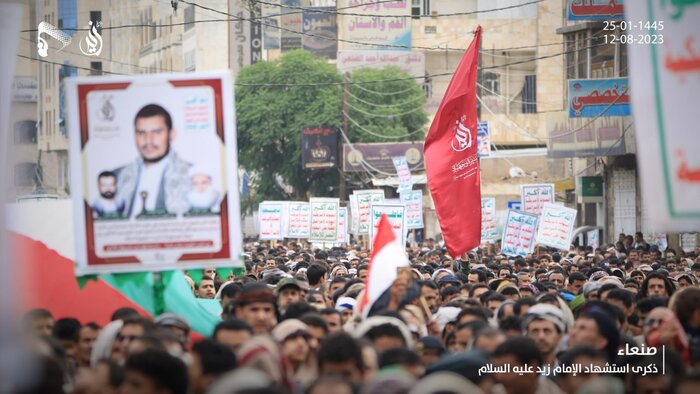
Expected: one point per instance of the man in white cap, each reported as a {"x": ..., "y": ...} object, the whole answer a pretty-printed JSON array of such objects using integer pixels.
[
  {"x": 294, "y": 336},
  {"x": 544, "y": 323},
  {"x": 345, "y": 306}
]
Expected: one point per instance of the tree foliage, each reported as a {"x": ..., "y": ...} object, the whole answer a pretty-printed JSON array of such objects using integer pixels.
[
  {"x": 387, "y": 111},
  {"x": 270, "y": 119}
]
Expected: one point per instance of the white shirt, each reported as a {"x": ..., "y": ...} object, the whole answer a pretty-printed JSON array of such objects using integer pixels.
[
  {"x": 149, "y": 181},
  {"x": 107, "y": 206}
]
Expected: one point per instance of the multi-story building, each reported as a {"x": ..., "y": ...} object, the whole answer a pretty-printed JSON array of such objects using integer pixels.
[
  {"x": 602, "y": 144},
  {"x": 22, "y": 153},
  {"x": 73, "y": 18},
  {"x": 521, "y": 80},
  {"x": 136, "y": 37}
]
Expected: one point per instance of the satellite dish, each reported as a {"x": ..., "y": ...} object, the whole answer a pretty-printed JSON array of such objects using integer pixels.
[{"x": 516, "y": 172}]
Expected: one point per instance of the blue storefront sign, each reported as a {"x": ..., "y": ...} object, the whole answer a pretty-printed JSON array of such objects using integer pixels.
[{"x": 590, "y": 98}]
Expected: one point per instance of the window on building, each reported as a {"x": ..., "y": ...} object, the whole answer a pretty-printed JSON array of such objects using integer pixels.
[
  {"x": 491, "y": 83},
  {"x": 189, "y": 17},
  {"x": 190, "y": 62},
  {"x": 570, "y": 49},
  {"x": 420, "y": 7},
  {"x": 68, "y": 16},
  {"x": 96, "y": 18},
  {"x": 582, "y": 43},
  {"x": 25, "y": 132},
  {"x": 32, "y": 35},
  {"x": 26, "y": 174},
  {"x": 507, "y": 84},
  {"x": 588, "y": 56},
  {"x": 529, "y": 96},
  {"x": 622, "y": 55},
  {"x": 428, "y": 86},
  {"x": 415, "y": 9},
  {"x": 602, "y": 58},
  {"x": 65, "y": 71},
  {"x": 95, "y": 68},
  {"x": 61, "y": 172}
]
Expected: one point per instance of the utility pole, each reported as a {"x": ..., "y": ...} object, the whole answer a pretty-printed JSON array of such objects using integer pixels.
[{"x": 343, "y": 192}]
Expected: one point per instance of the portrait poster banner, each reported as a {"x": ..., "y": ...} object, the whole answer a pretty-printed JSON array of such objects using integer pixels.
[
  {"x": 354, "y": 215},
  {"x": 661, "y": 241},
  {"x": 413, "y": 200},
  {"x": 396, "y": 213},
  {"x": 343, "y": 235},
  {"x": 665, "y": 97},
  {"x": 270, "y": 217},
  {"x": 593, "y": 238},
  {"x": 533, "y": 197},
  {"x": 365, "y": 199},
  {"x": 519, "y": 233},
  {"x": 319, "y": 147},
  {"x": 299, "y": 220},
  {"x": 489, "y": 232},
  {"x": 321, "y": 31},
  {"x": 556, "y": 225},
  {"x": 154, "y": 172},
  {"x": 324, "y": 219},
  {"x": 403, "y": 173}
]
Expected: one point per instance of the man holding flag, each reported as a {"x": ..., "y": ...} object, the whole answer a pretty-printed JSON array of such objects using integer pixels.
[
  {"x": 387, "y": 256},
  {"x": 451, "y": 160}
]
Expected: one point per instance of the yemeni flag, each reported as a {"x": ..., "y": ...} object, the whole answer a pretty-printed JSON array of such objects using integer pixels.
[
  {"x": 387, "y": 256},
  {"x": 451, "y": 159}
]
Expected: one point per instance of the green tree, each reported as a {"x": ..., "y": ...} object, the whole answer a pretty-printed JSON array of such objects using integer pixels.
[
  {"x": 270, "y": 118},
  {"x": 387, "y": 111}
]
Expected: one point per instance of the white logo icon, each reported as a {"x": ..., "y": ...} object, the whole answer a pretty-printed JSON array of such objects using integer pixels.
[
  {"x": 42, "y": 46},
  {"x": 463, "y": 136},
  {"x": 106, "y": 112},
  {"x": 93, "y": 41}
]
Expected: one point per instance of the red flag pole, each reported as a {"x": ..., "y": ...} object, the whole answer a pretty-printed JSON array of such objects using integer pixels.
[{"x": 451, "y": 159}]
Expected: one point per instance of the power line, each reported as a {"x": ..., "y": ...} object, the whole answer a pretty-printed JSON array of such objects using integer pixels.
[
  {"x": 312, "y": 9},
  {"x": 384, "y": 136},
  {"x": 425, "y": 76},
  {"x": 68, "y": 65},
  {"x": 258, "y": 20},
  {"x": 262, "y": 23},
  {"x": 384, "y": 93},
  {"x": 356, "y": 83},
  {"x": 101, "y": 59},
  {"x": 418, "y": 97},
  {"x": 368, "y": 3},
  {"x": 607, "y": 151},
  {"x": 385, "y": 115},
  {"x": 576, "y": 130}
]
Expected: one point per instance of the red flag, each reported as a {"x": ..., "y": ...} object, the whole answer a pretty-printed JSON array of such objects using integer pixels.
[
  {"x": 451, "y": 160},
  {"x": 387, "y": 255}
]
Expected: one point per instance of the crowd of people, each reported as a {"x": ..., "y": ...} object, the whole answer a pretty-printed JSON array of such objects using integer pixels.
[{"x": 623, "y": 318}]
